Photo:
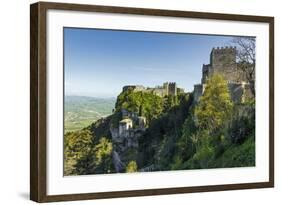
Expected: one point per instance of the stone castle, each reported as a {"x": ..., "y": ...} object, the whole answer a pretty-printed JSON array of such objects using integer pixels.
[
  {"x": 223, "y": 62},
  {"x": 168, "y": 88}
]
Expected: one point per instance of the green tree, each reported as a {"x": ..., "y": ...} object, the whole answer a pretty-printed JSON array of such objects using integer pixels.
[
  {"x": 98, "y": 160},
  {"x": 214, "y": 109},
  {"x": 145, "y": 104},
  {"x": 132, "y": 167},
  {"x": 76, "y": 145},
  {"x": 103, "y": 156},
  {"x": 185, "y": 145},
  {"x": 102, "y": 150},
  {"x": 205, "y": 151},
  {"x": 170, "y": 101},
  {"x": 215, "y": 105}
]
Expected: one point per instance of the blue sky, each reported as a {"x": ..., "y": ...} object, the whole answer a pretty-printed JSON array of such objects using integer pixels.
[{"x": 100, "y": 62}]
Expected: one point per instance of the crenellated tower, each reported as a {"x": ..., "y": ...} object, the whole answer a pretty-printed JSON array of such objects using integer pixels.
[
  {"x": 223, "y": 62},
  {"x": 172, "y": 88},
  {"x": 222, "y": 56}
]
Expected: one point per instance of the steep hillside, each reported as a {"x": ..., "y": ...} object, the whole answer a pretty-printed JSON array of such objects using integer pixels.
[{"x": 151, "y": 133}]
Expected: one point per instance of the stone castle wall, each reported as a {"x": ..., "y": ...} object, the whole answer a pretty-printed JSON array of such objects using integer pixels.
[
  {"x": 134, "y": 87},
  {"x": 198, "y": 91},
  {"x": 223, "y": 62},
  {"x": 168, "y": 88}
]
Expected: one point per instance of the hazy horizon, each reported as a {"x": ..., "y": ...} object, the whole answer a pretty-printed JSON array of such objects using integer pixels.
[
  {"x": 98, "y": 63},
  {"x": 88, "y": 96}
]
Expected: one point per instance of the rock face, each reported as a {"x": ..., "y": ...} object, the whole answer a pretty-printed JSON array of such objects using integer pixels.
[
  {"x": 223, "y": 62},
  {"x": 118, "y": 164}
]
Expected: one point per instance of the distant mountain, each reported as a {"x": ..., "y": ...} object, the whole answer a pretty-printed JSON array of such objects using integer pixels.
[{"x": 81, "y": 111}]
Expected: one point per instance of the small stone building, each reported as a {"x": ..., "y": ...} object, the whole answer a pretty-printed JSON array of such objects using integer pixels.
[{"x": 124, "y": 127}]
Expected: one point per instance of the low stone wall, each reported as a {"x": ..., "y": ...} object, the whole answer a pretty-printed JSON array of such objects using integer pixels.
[{"x": 239, "y": 92}]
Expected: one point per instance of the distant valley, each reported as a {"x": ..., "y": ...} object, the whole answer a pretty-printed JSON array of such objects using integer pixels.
[{"x": 81, "y": 111}]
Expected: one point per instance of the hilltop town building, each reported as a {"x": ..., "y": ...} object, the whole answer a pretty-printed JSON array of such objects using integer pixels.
[{"x": 223, "y": 62}]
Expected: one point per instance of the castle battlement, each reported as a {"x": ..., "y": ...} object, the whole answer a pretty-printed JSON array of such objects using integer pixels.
[
  {"x": 224, "y": 49},
  {"x": 168, "y": 88},
  {"x": 223, "y": 56}
]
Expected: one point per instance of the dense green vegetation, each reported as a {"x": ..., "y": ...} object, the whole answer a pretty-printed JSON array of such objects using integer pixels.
[
  {"x": 215, "y": 105},
  {"x": 180, "y": 134},
  {"x": 88, "y": 151},
  {"x": 82, "y": 111},
  {"x": 145, "y": 104}
]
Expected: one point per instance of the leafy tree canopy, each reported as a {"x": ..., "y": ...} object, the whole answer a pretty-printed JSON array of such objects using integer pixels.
[
  {"x": 215, "y": 105},
  {"x": 144, "y": 103}
]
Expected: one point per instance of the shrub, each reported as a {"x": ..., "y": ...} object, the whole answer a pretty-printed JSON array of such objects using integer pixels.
[{"x": 132, "y": 167}]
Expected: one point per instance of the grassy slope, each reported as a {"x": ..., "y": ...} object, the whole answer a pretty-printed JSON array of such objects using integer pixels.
[{"x": 238, "y": 155}]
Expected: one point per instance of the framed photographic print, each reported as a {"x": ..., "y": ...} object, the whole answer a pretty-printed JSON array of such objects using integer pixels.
[{"x": 135, "y": 102}]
